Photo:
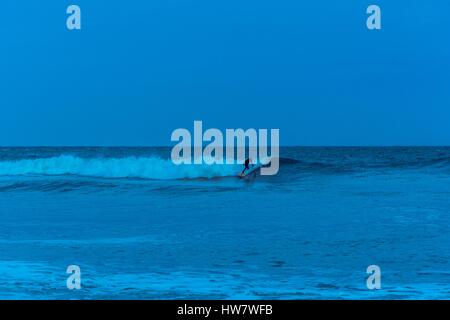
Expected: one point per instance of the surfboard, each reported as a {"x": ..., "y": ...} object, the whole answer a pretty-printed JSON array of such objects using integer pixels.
[{"x": 250, "y": 171}]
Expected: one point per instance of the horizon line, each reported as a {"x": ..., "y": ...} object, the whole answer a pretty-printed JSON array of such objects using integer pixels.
[{"x": 282, "y": 146}]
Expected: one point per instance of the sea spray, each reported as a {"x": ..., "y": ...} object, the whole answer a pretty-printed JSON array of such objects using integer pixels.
[{"x": 129, "y": 167}]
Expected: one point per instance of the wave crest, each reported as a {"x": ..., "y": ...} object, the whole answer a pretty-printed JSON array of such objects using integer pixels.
[{"x": 130, "y": 167}]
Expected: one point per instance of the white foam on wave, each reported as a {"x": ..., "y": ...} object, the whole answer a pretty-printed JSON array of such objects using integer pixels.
[{"x": 130, "y": 167}]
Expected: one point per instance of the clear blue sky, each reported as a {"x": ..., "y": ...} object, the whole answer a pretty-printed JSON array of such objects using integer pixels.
[{"x": 139, "y": 69}]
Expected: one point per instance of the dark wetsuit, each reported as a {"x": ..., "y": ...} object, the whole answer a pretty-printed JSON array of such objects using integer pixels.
[{"x": 247, "y": 162}]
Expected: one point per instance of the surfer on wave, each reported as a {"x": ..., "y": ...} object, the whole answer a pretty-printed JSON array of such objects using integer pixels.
[{"x": 246, "y": 166}]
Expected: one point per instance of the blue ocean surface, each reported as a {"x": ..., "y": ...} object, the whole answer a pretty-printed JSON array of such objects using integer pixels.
[{"x": 140, "y": 227}]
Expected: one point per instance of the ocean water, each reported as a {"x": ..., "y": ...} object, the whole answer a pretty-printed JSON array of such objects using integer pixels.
[{"x": 140, "y": 227}]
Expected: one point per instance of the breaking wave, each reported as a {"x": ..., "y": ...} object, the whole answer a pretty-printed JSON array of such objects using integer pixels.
[{"x": 130, "y": 167}]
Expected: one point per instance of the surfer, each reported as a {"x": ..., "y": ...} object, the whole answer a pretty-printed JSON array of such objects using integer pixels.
[{"x": 246, "y": 165}]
